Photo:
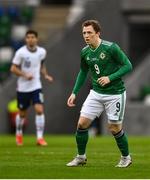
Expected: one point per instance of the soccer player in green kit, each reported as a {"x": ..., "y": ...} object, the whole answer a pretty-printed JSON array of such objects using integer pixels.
[{"x": 107, "y": 64}]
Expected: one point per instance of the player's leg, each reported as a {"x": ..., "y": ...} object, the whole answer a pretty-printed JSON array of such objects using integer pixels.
[
  {"x": 20, "y": 118},
  {"x": 90, "y": 110},
  {"x": 39, "y": 117},
  {"x": 23, "y": 104},
  {"x": 81, "y": 140},
  {"x": 82, "y": 134},
  {"x": 122, "y": 143},
  {"x": 115, "y": 106},
  {"x": 40, "y": 124}
]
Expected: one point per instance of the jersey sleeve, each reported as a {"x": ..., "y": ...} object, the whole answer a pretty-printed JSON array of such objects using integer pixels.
[
  {"x": 123, "y": 62},
  {"x": 81, "y": 76},
  {"x": 43, "y": 55},
  {"x": 17, "y": 58}
]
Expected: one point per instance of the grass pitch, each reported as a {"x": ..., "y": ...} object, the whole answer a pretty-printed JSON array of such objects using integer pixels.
[{"x": 31, "y": 161}]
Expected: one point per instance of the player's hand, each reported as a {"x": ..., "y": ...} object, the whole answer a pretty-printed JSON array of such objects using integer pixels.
[
  {"x": 71, "y": 100},
  {"x": 49, "y": 78},
  {"x": 28, "y": 76},
  {"x": 103, "y": 80}
]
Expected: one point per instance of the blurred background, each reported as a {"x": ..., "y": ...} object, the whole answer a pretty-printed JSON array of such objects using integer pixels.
[{"x": 126, "y": 22}]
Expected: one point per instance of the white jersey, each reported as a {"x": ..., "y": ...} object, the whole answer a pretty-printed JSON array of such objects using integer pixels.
[{"x": 29, "y": 62}]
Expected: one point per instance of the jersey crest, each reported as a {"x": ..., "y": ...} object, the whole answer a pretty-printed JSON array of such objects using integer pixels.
[{"x": 102, "y": 55}]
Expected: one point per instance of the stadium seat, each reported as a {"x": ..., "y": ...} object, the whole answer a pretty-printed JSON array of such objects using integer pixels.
[
  {"x": 4, "y": 67},
  {"x": 4, "y": 35},
  {"x": 5, "y": 21},
  {"x": 14, "y": 21},
  {"x": 16, "y": 44},
  {"x": 26, "y": 14},
  {"x": 13, "y": 13},
  {"x": 4, "y": 71},
  {"x": 6, "y": 54},
  {"x": 18, "y": 32},
  {"x": 2, "y": 11},
  {"x": 34, "y": 3}
]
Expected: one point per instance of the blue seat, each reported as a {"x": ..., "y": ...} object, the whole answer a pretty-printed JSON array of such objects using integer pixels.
[
  {"x": 16, "y": 44},
  {"x": 13, "y": 13},
  {"x": 2, "y": 11}
]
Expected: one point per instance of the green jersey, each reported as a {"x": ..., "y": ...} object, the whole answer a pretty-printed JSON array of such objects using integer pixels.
[{"x": 106, "y": 60}]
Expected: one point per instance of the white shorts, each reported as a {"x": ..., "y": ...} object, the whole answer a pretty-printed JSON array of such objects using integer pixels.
[{"x": 96, "y": 103}]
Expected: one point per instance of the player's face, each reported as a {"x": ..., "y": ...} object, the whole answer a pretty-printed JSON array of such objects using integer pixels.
[
  {"x": 31, "y": 40},
  {"x": 89, "y": 35}
]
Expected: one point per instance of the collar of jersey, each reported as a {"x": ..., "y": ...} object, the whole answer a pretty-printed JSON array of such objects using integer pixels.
[
  {"x": 30, "y": 50},
  {"x": 93, "y": 50}
]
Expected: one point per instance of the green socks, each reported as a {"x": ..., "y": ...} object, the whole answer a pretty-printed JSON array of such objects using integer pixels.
[
  {"x": 122, "y": 142},
  {"x": 81, "y": 139}
]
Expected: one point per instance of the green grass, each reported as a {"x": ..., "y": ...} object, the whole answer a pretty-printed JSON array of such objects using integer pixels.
[{"x": 49, "y": 162}]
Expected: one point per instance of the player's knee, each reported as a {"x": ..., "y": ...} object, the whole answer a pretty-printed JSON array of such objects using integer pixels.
[
  {"x": 39, "y": 109},
  {"x": 82, "y": 125},
  {"x": 22, "y": 113},
  {"x": 22, "y": 116},
  {"x": 114, "y": 128}
]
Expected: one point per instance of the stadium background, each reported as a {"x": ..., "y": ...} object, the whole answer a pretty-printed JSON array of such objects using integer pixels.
[{"x": 59, "y": 25}]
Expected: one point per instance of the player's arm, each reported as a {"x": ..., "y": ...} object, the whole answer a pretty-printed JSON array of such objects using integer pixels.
[
  {"x": 79, "y": 81},
  {"x": 15, "y": 69},
  {"x": 78, "y": 84},
  {"x": 122, "y": 61},
  {"x": 45, "y": 73}
]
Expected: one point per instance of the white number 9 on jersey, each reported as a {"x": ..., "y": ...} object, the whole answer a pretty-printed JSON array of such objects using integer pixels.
[{"x": 97, "y": 69}]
